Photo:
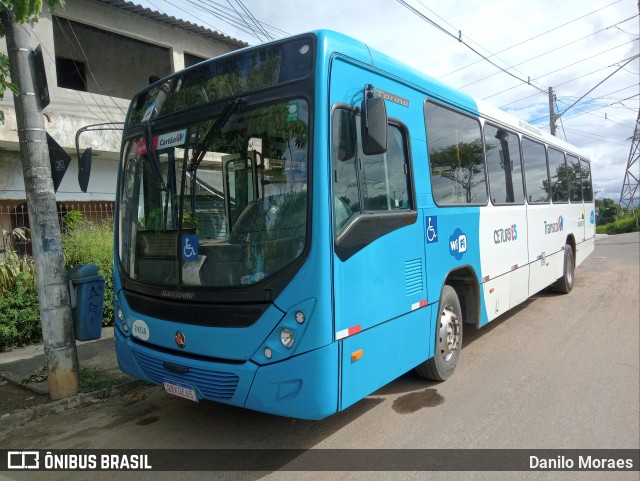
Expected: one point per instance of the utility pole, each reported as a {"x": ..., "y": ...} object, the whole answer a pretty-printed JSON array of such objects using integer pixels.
[
  {"x": 55, "y": 309},
  {"x": 631, "y": 182},
  {"x": 552, "y": 115}
]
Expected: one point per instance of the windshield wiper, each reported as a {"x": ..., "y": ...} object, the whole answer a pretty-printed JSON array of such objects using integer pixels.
[
  {"x": 201, "y": 150},
  {"x": 199, "y": 153},
  {"x": 153, "y": 156}
]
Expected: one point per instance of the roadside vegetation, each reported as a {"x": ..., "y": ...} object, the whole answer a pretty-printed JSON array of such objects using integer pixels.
[
  {"x": 613, "y": 219},
  {"x": 83, "y": 243}
]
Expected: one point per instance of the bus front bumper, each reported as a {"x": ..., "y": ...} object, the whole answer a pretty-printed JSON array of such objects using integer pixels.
[{"x": 304, "y": 386}]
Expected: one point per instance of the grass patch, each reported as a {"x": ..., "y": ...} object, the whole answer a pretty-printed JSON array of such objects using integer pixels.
[{"x": 93, "y": 380}]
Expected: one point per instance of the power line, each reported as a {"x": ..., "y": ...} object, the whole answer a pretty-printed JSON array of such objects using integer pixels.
[
  {"x": 100, "y": 87},
  {"x": 605, "y": 96},
  {"x": 254, "y": 19},
  {"x": 600, "y": 83},
  {"x": 231, "y": 16},
  {"x": 554, "y": 50},
  {"x": 82, "y": 99},
  {"x": 536, "y": 36},
  {"x": 586, "y": 134},
  {"x": 565, "y": 67},
  {"x": 73, "y": 46},
  {"x": 491, "y": 54},
  {"x": 463, "y": 42},
  {"x": 243, "y": 18}
]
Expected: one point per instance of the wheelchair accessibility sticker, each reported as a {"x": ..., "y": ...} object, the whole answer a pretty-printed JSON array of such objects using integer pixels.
[
  {"x": 432, "y": 229},
  {"x": 189, "y": 246}
]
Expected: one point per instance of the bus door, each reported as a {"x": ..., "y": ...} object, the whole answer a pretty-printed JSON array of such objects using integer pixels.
[
  {"x": 577, "y": 212},
  {"x": 379, "y": 253}
]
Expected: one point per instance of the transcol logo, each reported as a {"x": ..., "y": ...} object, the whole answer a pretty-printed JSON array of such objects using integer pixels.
[{"x": 551, "y": 227}]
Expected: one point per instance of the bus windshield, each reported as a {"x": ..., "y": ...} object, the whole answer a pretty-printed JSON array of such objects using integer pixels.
[{"x": 217, "y": 203}]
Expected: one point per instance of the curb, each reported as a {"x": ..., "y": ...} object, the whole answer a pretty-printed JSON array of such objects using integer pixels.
[{"x": 23, "y": 416}]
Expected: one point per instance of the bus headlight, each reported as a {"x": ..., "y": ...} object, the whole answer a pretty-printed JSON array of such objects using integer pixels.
[
  {"x": 300, "y": 317},
  {"x": 120, "y": 314},
  {"x": 286, "y": 337}
]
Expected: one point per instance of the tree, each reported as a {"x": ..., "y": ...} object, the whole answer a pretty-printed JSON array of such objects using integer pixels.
[
  {"x": 55, "y": 310},
  {"x": 608, "y": 211}
]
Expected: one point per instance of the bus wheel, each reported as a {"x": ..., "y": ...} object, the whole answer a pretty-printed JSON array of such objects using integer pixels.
[
  {"x": 565, "y": 283},
  {"x": 448, "y": 339}
]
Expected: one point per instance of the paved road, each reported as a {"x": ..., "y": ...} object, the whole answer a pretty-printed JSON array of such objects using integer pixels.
[{"x": 557, "y": 372}]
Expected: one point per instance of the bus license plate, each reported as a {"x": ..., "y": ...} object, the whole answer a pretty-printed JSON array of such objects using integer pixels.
[{"x": 179, "y": 389}]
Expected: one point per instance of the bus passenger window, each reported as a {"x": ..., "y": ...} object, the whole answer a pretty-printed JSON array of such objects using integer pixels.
[
  {"x": 575, "y": 183},
  {"x": 587, "y": 187},
  {"x": 535, "y": 172},
  {"x": 456, "y": 157},
  {"x": 559, "y": 176},
  {"x": 504, "y": 166}
]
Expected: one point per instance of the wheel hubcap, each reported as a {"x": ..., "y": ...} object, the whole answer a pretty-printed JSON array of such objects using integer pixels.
[
  {"x": 449, "y": 333},
  {"x": 570, "y": 270}
]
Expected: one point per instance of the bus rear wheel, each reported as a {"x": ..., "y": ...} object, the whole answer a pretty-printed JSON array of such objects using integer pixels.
[
  {"x": 448, "y": 339},
  {"x": 565, "y": 283}
]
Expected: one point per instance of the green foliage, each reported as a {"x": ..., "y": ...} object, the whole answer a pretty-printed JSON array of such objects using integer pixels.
[
  {"x": 15, "y": 269},
  {"x": 19, "y": 313},
  {"x": 89, "y": 243},
  {"x": 620, "y": 226},
  {"x": 155, "y": 221},
  {"x": 25, "y": 10},
  {"x": 71, "y": 219},
  {"x": 608, "y": 211},
  {"x": 19, "y": 308}
]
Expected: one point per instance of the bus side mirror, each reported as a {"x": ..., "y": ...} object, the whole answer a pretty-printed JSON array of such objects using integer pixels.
[
  {"x": 84, "y": 160},
  {"x": 84, "y": 168},
  {"x": 374, "y": 123}
]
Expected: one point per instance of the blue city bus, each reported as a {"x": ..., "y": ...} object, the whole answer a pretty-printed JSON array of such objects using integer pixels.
[{"x": 301, "y": 222}]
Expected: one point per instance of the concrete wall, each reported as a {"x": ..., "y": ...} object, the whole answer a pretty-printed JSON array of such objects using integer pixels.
[
  {"x": 120, "y": 66},
  {"x": 71, "y": 109}
]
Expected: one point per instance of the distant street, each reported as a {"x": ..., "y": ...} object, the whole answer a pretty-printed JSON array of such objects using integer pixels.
[{"x": 561, "y": 371}]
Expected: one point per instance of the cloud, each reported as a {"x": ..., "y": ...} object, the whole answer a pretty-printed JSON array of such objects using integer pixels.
[{"x": 570, "y": 46}]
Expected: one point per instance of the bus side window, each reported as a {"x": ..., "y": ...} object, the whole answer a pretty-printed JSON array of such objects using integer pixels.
[
  {"x": 587, "y": 187},
  {"x": 503, "y": 164},
  {"x": 575, "y": 182},
  {"x": 535, "y": 172},
  {"x": 559, "y": 176},
  {"x": 456, "y": 157}
]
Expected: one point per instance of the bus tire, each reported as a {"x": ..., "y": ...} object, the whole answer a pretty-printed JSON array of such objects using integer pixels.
[
  {"x": 448, "y": 339},
  {"x": 565, "y": 283}
]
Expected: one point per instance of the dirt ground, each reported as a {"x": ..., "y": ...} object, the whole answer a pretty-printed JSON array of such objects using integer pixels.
[{"x": 14, "y": 398}]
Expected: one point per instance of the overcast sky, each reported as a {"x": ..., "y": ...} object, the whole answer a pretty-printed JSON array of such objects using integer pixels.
[{"x": 571, "y": 46}]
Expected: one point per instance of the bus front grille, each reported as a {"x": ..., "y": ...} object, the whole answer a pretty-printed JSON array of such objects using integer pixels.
[
  {"x": 212, "y": 384},
  {"x": 198, "y": 314}
]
